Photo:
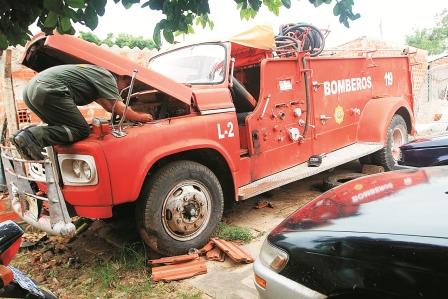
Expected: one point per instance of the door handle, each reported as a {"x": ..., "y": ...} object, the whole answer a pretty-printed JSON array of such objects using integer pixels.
[
  {"x": 356, "y": 111},
  {"x": 323, "y": 117}
]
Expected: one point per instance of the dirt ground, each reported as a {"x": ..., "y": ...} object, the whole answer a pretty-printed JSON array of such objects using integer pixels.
[{"x": 108, "y": 260}]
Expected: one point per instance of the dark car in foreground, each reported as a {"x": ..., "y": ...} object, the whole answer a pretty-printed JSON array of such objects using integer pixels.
[
  {"x": 425, "y": 152},
  {"x": 381, "y": 236}
]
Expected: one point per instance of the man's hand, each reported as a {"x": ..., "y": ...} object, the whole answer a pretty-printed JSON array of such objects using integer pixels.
[
  {"x": 119, "y": 109},
  {"x": 144, "y": 118}
]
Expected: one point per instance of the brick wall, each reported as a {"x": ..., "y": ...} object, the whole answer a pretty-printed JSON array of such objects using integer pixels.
[{"x": 432, "y": 99}]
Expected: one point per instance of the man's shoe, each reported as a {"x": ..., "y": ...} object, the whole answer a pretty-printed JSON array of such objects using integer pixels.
[
  {"x": 22, "y": 151},
  {"x": 25, "y": 141}
]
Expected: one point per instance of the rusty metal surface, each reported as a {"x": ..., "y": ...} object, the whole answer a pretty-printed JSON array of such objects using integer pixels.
[
  {"x": 209, "y": 246},
  {"x": 234, "y": 251},
  {"x": 174, "y": 259},
  {"x": 216, "y": 254},
  {"x": 179, "y": 271}
]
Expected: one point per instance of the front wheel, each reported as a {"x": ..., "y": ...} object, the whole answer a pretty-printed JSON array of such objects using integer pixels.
[
  {"x": 397, "y": 135},
  {"x": 179, "y": 207}
]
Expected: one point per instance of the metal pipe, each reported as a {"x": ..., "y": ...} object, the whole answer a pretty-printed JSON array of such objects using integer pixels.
[
  {"x": 307, "y": 96},
  {"x": 232, "y": 67},
  {"x": 131, "y": 86}
]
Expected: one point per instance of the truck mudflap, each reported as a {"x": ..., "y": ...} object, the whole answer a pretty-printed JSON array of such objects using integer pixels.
[{"x": 22, "y": 189}]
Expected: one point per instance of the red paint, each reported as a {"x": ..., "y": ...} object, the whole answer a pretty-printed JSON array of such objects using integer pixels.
[{"x": 346, "y": 199}]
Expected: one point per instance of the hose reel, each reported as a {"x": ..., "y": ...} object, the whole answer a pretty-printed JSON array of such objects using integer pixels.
[{"x": 299, "y": 37}]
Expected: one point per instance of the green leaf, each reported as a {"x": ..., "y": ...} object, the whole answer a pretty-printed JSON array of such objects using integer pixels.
[
  {"x": 156, "y": 36},
  {"x": 3, "y": 42},
  {"x": 128, "y": 3},
  {"x": 168, "y": 35},
  {"x": 76, "y": 3},
  {"x": 100, "y": 6},
  {"x": 154, "y": 4},
  {"x": 90, "y": 17},
  {"x": 51, "y": 20},
  {"x": 255, "y": 4},
  {"x": 190, "y": 29},
  {"x": 66, "y": 25},
  {"x": 354, "y": 16},
  {"x": 286, "y": 3},
  {"x": 53, "y": 5},
  {"x": 336, "y": 9}
]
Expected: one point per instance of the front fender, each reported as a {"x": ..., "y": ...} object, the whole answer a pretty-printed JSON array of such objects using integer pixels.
[
  {"x": 165, "y": 151},
  {"x": 130, "y": 158},
  {"x": 376, "y": 117}
]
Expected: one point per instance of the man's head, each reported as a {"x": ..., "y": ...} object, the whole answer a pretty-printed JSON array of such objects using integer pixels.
[{"x": 122, "y": 81}]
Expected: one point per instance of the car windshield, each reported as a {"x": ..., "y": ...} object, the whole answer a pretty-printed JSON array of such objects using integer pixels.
[{"x": 198, "y": 64}]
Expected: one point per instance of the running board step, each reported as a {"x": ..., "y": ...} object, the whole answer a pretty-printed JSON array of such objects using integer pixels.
[{"x": 301, "y": 171}]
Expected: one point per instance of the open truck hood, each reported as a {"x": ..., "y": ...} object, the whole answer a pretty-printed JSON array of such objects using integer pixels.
[{"x": 43, "y": 52}]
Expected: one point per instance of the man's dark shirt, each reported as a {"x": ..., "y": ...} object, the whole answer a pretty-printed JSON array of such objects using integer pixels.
[{"x": 84, "y": 82}]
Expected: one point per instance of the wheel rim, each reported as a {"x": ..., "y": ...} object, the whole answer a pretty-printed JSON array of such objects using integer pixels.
[
  {"x": 186, "y": 210},
  {"x": 398, "y": 139}
]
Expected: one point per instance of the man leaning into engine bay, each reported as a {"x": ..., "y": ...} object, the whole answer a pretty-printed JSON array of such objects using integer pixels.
[{"x": 54, "y": 94}]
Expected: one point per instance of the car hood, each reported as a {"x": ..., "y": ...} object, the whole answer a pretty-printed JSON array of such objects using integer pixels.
[
  {"x": 410, "y": 202},
  {"x": 43, "y": 52},
  {"x": 426, "y": 142}
]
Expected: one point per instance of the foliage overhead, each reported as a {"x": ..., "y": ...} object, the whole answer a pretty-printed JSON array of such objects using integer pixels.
[
  {"x": 180, "y": 15},
  {"x": 434, "y": 40},
  {"x": 121, "y": 40}
]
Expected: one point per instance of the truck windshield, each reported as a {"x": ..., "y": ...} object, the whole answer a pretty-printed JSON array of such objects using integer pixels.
[{"x": 198, "y": 64}]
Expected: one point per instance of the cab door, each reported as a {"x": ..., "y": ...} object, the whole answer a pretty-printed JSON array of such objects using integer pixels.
[
  {"x": 274, "y": 127},
  {"x": 339, "y": 92}
]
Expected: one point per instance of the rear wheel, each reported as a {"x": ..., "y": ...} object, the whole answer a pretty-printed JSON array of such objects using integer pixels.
[
  {"x": 179, "y": 208},
  {"x": 397, "y": 135}
]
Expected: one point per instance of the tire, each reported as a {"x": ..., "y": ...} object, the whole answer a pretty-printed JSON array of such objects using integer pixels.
[
  {"x": 335, "y": 180},
  {"x": 365, "y": 160},
  {"x": 179, "y": 208},
  {"x": 397, "y": 135}
]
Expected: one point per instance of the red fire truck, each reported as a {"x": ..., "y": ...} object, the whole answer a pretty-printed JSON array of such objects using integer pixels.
[{"x": 233, "y": 119}]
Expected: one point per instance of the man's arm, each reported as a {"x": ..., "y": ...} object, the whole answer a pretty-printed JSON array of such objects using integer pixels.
[{"x": 119, "y": 109}]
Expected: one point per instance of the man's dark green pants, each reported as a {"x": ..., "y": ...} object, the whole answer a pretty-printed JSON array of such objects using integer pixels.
[{"x": 53, "y": 104}]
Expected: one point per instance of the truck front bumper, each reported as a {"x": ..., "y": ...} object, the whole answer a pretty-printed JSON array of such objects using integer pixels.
[{"x": 24, "y": 200}]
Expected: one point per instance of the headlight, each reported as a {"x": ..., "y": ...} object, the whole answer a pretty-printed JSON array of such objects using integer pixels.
[
  {"x": 273, "y": 257},
  {"x": 82, "y": 169},
  {"x": 77, "y": 169},
  {"x": 86, "y": 170}
]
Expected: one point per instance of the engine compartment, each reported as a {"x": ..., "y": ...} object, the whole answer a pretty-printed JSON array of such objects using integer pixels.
[{"x": 158, "y": 104}]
